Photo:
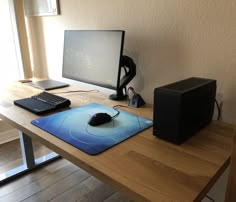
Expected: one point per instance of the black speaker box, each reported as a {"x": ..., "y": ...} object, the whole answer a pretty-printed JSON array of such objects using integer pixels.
[{"x": 183, "y": 108}]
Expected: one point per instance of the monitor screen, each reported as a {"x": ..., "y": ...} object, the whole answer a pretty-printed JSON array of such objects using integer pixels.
[{"x": 93, "y": 56}]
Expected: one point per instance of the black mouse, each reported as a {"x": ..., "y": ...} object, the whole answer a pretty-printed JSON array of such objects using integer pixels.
[{"x": 99, "y": 119}]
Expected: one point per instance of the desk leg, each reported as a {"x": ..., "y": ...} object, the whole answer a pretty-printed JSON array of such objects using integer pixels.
[
  {"x": 27, "y": 150},
  {"x": 29, "y": 162}
]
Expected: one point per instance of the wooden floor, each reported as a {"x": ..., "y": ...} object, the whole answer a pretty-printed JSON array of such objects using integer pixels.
[
  {"x": 7, "y": 133},
  {"x": 57, "y": 181}
]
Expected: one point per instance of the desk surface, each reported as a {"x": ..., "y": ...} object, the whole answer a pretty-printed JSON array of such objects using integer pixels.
[{"x": 143, "y": 167}]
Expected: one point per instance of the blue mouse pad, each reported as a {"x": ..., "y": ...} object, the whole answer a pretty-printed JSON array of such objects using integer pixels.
[{"x": 72, "y": 127}]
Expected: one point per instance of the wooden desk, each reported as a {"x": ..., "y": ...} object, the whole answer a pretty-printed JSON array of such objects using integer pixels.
[{"x": 143, "y": 167}]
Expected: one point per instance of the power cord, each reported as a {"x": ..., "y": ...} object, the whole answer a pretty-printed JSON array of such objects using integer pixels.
[
  {"x": 218, "y": 109},
  {"x": 118, "y": 112},
  {"x": 210, "y": 198},
  {"x": 78, "y": 91}
]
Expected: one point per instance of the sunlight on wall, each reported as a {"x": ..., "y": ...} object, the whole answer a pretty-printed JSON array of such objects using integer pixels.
[{"x": 28, "y": 33}]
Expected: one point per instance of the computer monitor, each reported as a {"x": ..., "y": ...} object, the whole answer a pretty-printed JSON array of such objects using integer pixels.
[{"x": 95, "y": 57}]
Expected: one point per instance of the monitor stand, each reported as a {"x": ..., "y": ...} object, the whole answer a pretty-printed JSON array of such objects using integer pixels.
[
  {"x": 120, "y": 95},
  {"x": 130, "y": 71}
]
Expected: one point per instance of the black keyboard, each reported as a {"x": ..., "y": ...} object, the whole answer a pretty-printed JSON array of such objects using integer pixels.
[{"x": 43, "y": 103}]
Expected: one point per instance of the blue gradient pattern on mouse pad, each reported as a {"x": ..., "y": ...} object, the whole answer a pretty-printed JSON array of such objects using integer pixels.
[{"x": 72, "y": 127}]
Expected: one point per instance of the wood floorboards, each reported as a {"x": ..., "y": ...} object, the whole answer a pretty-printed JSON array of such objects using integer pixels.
[
  {"x": 7, "y": 133},
  {"x": 59, "y": 181}
]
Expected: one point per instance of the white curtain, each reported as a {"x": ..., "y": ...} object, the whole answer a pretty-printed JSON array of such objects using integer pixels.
[{"x": 10, "y": 62}]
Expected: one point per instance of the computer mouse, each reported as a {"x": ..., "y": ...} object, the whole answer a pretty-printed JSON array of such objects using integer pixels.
[{"x": 99, "y": 119}]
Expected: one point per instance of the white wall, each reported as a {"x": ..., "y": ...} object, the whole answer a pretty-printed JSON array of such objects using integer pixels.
[{"x": 168, "y": 40}]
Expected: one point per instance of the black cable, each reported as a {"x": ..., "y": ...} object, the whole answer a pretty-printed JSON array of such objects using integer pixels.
[
  {"x": 114, "y": 107},
  {"x": 125, "y": 70},
  {"x": 210, "y": 198},
  {"x": 218, "y": 108},
  {"x": 118, "y": 112},
  {"x": 78, "y": 91}
]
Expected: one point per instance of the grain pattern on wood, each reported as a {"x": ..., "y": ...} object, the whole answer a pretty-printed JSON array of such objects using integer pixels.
[
  {"x": 143, "y": 167},
  {"x": 58, "y": 181},
  {"x": 7, "y": 132},
  {"x": 11, "y": 156},
  {"x": 34, "y": 176},
  {"x": 231, "y": 187},
  {"x": 42, "y": 183}
]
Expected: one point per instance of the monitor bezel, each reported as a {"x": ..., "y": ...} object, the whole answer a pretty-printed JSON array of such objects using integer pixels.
[{"x": 89, "y": 81}]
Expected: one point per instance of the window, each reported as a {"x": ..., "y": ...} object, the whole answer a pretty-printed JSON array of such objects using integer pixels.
[{"x": 10, "y": 62}]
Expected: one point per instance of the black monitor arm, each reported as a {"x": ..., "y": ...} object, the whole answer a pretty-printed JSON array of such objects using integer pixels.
[{"x": 130, "y": 71}]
